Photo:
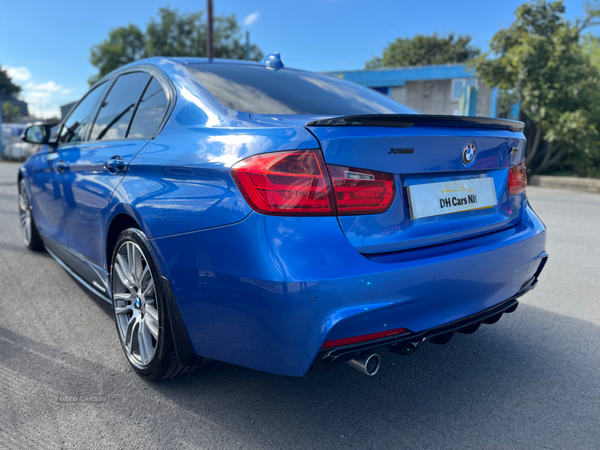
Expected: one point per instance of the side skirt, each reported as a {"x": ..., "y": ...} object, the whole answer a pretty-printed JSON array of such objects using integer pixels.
[
  {"x": 77, "y": 277},
  {"x": 94, "y": 277}
]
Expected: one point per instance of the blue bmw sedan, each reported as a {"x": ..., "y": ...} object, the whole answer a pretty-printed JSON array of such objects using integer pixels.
[{"x": 279, "y": 219}]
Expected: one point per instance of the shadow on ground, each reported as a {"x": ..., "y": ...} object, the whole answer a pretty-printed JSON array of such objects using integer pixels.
[{"x": 507, "y": 386}]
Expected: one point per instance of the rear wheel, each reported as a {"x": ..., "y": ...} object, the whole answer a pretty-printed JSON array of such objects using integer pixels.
[
  {"x": 29, "y": 232},
  {"x": 140, "y": 309}
]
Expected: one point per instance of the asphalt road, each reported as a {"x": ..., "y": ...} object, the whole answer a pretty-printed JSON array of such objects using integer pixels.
[{"x": 530, "y": 381}]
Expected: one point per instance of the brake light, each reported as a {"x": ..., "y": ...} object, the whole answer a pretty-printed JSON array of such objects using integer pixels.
[
  {"x": 285, "y": 183},
  {"x": 517, "y": 179},
  {"x": 299, "y": 183},
  {"x": 359, "y": 191}
]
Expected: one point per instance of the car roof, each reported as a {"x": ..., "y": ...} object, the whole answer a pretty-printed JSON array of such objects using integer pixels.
[
  {"x": 185, "y": 60},
  {"x": 198, "y": 60},
  {"x": 167, "y": 62}
]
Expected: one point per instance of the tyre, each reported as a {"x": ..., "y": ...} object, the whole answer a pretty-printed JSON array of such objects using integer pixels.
[
  {"x": 140, "y": 309},
  {"x": 29, "y": 231}
]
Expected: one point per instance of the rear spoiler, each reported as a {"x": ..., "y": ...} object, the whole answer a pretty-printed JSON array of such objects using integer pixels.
[{"x": 408, "y": 120}]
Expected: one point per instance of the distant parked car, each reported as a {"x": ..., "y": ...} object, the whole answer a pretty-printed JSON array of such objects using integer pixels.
[
  {"x": 279, "y": 219},
  {"x": 14, "y": 148}
]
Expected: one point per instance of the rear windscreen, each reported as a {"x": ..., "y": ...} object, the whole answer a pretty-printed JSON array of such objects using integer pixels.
[{"x": 258, "y": 90}]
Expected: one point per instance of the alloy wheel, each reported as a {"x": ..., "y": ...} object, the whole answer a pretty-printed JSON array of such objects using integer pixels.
[{"x": 135, "y": 305}]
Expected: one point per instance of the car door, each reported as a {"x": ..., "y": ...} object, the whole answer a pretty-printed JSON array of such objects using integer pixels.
[
  {"x": 127, "y": 119},
  {"x": 49, "y": 168}
]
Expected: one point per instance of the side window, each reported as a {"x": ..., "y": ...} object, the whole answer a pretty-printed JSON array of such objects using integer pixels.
[
  {"x": 150, "y": 112},
  {"x": 117, "y": 109},
  {"x": 78, "y": 122}
]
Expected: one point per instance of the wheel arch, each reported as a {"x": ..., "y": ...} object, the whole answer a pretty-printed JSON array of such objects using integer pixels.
[
  {"x": 183, "y": 347},
  {"x": 118, "y": 224},
  {"x": 20, "y": 176}
]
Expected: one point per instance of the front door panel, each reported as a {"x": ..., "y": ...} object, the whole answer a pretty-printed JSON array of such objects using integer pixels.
[{"x": 46, "y": 185}]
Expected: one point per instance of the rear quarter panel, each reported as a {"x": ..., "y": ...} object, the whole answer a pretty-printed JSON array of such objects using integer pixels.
[{"x": 181, "y": 180}]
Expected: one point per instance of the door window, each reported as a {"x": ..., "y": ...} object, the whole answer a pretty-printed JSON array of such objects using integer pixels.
[
  {"x": 78, "y": 122},
  {"x": 150, "y": 112},
  {"x": 118, "y": 107}
]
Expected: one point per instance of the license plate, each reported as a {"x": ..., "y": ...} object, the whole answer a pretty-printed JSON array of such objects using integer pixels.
[{"x": 435, "y": 199}]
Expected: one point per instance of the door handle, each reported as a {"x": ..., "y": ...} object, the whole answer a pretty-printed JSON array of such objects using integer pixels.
[
  {"x": 115, "y": 164},
  {"x": 60, "y": 166}
]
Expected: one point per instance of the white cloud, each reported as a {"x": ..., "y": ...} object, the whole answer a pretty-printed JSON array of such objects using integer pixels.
[
  {"x": 251, "y": 18},
  {"x": 43, "y": 98},
  {"x": 43, "y": 107},
  {"x": 49, "y": 87},
  {"x": 19, "y": 74}
]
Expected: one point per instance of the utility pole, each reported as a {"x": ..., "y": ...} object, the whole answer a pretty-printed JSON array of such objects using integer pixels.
[
  {"x": 247, "y": 45},
  {"x": 209, "y": 31},
  {"x": 1, "y": 140}
]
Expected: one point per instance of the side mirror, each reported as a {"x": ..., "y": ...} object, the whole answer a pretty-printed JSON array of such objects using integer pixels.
[{"x": 39, "y": 134}]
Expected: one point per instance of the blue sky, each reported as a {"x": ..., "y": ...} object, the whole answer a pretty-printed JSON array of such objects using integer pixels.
[{"x": 46, "y": 44}]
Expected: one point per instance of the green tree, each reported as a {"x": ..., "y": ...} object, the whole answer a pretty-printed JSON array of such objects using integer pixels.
[
  {"x": 228, "y": 43},
  {"x": 424, "y": 50},
  {"x": 591, "y": 47},
  {"x": 172, "y": 34},
  {"x": 540, "y": 61},
  {"x": 176, "y": 34},
  {"x": 123, "y": 46},
  {"x": 10, "y": 112},
  {"x": 6, "y": 85}
]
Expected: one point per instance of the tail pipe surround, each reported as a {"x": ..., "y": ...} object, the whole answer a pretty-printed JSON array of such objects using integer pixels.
[{"x": 366, "y": 362}]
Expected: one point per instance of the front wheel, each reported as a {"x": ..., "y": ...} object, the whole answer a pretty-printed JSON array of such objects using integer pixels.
[
  {"x": 140, "y": 309},
  {"x": 29, "y": 232}
]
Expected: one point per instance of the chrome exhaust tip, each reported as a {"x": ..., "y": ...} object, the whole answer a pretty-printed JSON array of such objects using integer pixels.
[{"x": 366, "y": 362}]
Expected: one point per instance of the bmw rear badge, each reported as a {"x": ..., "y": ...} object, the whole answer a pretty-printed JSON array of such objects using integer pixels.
[{"x": 468, "y": 155}]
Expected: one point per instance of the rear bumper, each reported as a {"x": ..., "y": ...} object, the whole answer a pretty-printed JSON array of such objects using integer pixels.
[
  {"x": 267, "y": 292},
  {"x": 408, "y": 342}
]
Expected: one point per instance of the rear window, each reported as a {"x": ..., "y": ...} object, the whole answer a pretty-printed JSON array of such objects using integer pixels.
[{"x": 258, "y": 90}]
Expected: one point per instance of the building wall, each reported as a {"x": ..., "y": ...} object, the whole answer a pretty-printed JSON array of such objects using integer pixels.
[
  {"x": 435, "y": 97},
  {"x": 429, "y": 96},
  {"x": 484, "y": 101},
  {"x": 428, "y": 89},
  {"x": 66, "y": 109},
  {"x": 398, "y": 93}
]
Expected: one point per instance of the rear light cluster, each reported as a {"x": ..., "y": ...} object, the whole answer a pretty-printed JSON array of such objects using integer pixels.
[
  {"x": 517, "y": 179},
  {"x": 359, "y": 191},
  {"x": 299, "y": 183}
]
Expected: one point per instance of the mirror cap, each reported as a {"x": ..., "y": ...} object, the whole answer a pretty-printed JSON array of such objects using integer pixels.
[{"x": 45, "y": 129}]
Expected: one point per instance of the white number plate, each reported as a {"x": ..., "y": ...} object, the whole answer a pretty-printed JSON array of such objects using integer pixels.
[{"x": 435, "y": 199}]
